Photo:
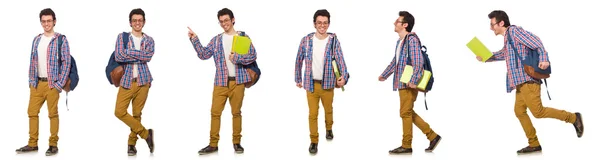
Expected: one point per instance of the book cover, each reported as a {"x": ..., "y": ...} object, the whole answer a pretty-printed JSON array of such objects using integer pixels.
[
  {"x": 241, "y": 44},
  {"x": 336, "y": 71},
  {"x": 479, "y": 49},
  {"x": 408, "y": 72}
]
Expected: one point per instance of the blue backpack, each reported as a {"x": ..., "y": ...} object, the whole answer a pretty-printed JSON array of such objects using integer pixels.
[
  {"x": 73, "y": 75},
  {"x": 426, "y": 66},
  {"x": 252, "y": 69},
  {"x": 530, "y": 64},
  {"x": 112, "y": 63}
]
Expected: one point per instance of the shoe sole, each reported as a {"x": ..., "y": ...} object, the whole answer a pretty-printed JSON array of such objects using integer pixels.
[
  {"x": 205, "y": 153},
  {"x": 151, "y": 146},
  {"x": 434, "y": 146},
  {"x": 581, "y": 121},
  {"x": 239, "y": 151},
  {"x": 524, "y": 153},
  {"x": 50, "y": 154},
  {"x": 131, "y": 154}
]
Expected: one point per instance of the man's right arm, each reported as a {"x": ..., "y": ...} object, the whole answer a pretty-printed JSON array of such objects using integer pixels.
[
  {"x": 204, "y": 53},
  {"x": 390, "y": 69},
  {"x": 498, "y": 55},
  {"x": 123, "y": 53},
  {"x": 299, "y": 60}
]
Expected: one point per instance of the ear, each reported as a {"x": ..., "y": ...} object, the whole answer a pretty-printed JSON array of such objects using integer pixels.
[
  {"x": 232, "y": 20},
  {"x": 501, "y": 23}
]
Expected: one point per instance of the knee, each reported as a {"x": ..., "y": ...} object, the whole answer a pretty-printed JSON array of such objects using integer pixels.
[
  {"x": 120, "y": 113},
  {"x": 33, "y": 113},
  {"x": 53, "y": 115},
  {"x": 537, "y": 114},
  {"x": 406, "y": 114},
  {"x": 236, "y": 113},
  {"x": 215, "y": 114}
]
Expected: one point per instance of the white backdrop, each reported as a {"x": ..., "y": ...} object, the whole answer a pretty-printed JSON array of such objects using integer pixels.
[{"x": 468, "y": 106}]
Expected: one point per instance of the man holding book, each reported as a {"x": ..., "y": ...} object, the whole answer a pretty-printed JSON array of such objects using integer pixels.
[
  {"x": 230, "y": 79},
  {"x": 325, "y": 69},
  {"x": 408, "y": 91},
  {"x": 518, "y": 43}
]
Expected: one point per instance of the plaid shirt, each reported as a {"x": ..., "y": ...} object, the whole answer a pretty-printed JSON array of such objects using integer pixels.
[
  {"x": 523, "y": 40},
  {"x": 133, "y": 56},
  {"x": 397, "y": 65},
  {"x": 215, "y": 48},
  {"x": 305, "y": 54},
  {"x": 56, "y": 80}
]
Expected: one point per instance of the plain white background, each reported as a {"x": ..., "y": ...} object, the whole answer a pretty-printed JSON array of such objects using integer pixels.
[{"x": 468, "y": 106}]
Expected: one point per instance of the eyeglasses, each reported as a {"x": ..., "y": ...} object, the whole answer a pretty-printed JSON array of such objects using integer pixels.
[
  {"x": 46, "y": 21},
  {"x": 137, "y": 20},
  {"x": 322, "y": 23},
  {"x": 224, "y": 21}
]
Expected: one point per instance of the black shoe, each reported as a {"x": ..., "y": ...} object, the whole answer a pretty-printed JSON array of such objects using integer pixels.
[
  {"x": 131, "y": 151},
  {"x": 400, "y": 150},
  {"x": 238, "y": 148},
  {"x": 433, "y": 144},
  {"x": 150, "y": 140},
  {"x": 530, "y": 149},
  {"x": 329, "y": 135},
  {"x": 52, "y": 150},
  {"x": 578, "y": 125},
  {"x": 208, "y": 149},
  {"x": 27, "y": 148},
  {"x": 313, "y": 148}
]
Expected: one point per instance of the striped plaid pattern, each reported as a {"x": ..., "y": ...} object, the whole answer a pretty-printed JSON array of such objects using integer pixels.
[
  {"x": 523, "y": 40},
  {"x": 133, "y": 56},
  {"x": 305, "y": 54},
  {"x": 397, "y": 65},
  {"x": 215, "y": 48},
  {"x": 56, "y": 80}
]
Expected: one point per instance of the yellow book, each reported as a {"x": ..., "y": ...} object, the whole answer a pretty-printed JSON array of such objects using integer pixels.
[
  {"x": 479, "y": 49},
  {"x": 241, "y": 44},
  {"x": 336, "y": 71},
  {"x": 408, "y": 72}
]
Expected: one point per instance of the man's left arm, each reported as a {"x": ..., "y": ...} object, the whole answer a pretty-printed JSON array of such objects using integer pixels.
[
  {"x": 531, "y": 41},
  {"x": 416, "y": 58},
  {"x": 245, "y": 59},
  {"x": 148, "y": 51},
  {"x": 65, "y": 63},
  {"x": 339, "y": 57}
]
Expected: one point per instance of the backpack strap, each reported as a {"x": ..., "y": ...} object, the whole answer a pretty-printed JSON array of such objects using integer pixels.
[
  {"x": 408, "y": 54},
  {"x": 511, "y": 42},
  {"x": 60, "y": 42}
]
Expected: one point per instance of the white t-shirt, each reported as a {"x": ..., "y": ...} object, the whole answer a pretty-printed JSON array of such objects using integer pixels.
[
  {"x": 137, "y": 44},
  {"x": 398, "y": 49},
  {"x": 227, "y": 44},
  {"x": 43, "y": 56},
  {"x": 318, "y": 56}
]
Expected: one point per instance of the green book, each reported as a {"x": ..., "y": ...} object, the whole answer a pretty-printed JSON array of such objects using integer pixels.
[
  {"x": 408, "y": 73},
  {"x": 479, "y": 49},
  {"x": 336, "y": 71},
  {"x": 241, "y": 44}
]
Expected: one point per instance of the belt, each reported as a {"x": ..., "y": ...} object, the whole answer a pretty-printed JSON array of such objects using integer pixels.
[
  {"x": 134, "y": 80},
  {"x": 231, "y": 78},
  {"x": 43, "y": 79},
  {"x": 317, "y": 81}
]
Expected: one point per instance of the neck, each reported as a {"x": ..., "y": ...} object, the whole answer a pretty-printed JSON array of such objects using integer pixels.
[
  {"x": 231, "y": 32},
  {"x": 49, "y": 33},
  {"x": 504, "y": 29},
  {"x": 321, "y": 36},
  {"x": 136, "y": 33},
  {"x": 402, "y": 34}
]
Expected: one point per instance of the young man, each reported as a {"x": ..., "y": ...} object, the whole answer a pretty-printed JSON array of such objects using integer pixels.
[
  {"x": 319, "y": 78},
  {"x": 45, "y": 81},
  {"x": 528, "y": 88},
  {"x": 408, "y": 43},
  {"x": 230, "y": 78},
  {"x": 136, "y": 80}
]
